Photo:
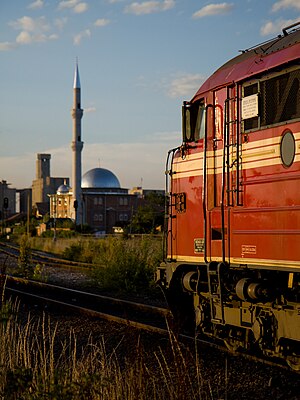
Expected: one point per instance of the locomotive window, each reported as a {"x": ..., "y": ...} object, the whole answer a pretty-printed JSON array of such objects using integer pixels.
[
  {"x": 200, "y": 123},
  {"x": 279, "y": 99},
  {"x": 193, "y": 121}
]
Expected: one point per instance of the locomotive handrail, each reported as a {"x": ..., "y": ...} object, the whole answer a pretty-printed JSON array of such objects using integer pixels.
[
  {"x": 284, "y": 30},
  {"x": 225, "y": 152},
  {"x": 167, "y": 203},
  {"x": 204, "y": 186}
]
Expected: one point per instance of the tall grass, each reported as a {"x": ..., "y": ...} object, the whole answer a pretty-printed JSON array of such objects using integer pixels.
[
  {"x": 120, "y": 264},
  {"x": 129, "y": 264},
  {"x": 50, "y": 245},
  {"x": 36, "y": 364}
]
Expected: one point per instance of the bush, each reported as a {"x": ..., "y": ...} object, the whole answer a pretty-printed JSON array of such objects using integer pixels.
[
  {"x": 125, "y": 265},
  {"x": 24, "y": 261},
  {"x": 74, "y": 252},
  {"x": 129, "y": 264}
]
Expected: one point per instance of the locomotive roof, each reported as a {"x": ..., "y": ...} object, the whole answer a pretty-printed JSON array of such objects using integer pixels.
[{"x": 263, "y": 57}]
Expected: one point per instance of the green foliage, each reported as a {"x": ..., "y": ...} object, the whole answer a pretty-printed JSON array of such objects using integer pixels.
[
  {"x": 122, "y": 264},
  {"x": 18, "y": 381},
  {"x": 24, "y": 261},
  {"x": 74, "y": 252},
  {"x": 6, "y": 312},
  {"x": 129, "y": 264},
  {"x": 149, "y": 216},
  {"x": 40, "y": 273},
  {"x": 60, "y": 234}
]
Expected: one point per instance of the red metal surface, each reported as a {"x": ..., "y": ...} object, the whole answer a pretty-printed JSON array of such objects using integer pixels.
[{"x": 246, "y": 68}]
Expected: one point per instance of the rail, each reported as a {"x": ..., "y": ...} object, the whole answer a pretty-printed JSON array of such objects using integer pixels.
[{"x": 134, "y": 315}]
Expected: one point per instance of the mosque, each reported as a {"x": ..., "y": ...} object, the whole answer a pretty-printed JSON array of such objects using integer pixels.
[{"x": 96, "y": 198}]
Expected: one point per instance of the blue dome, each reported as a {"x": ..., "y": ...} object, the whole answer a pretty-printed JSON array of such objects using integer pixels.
[
  {"x": 63, "y": 189},
  {"x": 100, "y": 178}
]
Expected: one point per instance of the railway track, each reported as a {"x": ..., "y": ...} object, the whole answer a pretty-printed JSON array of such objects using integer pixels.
[
  {"x": 137, "y": 315},
  {"x": 39, "y": 257},
  {"x": 132, "y": 314}
]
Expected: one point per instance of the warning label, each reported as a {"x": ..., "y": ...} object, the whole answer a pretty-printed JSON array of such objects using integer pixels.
[
  {"x": 199, "y": 245},
  {"x": 248, "y": 249}
]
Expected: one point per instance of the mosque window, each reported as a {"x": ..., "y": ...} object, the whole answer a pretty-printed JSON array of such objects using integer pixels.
[
  {"x": 123, "y": 217},
  {"x": 98, "y": 201},
  {"x": 123, "y": 201},
  {"x": 98, "y": 217}
]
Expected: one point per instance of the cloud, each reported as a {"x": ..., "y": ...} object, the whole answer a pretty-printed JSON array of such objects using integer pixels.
[
  {"x": 36, "y": 5},
  {"x": 77, "y": 7},
  {"x": 185, "y": 85},
  {"x": 284, "y": 4},
  {"x": 30, "y": 24},
  {"x": 60, "y": 22},
  {"x": 6, "y": 46},
  {"x": 90, "y": 110},
  {"x": 275, "y": 27},
  {"x": 149, "y": 7},
  {"x": 81, "y": 35},
  {"x": 102, "y": 22},
  {"x": 67, "y": 4},
  {"x": 24, "y": 38},
  {"x": 213, "y": 9},
  {"x": 80, "y": 8},
  {"x": 32, "y": 30}
]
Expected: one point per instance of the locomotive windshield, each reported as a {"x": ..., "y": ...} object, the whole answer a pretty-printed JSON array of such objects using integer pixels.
[{"x": 193, "y": 121}]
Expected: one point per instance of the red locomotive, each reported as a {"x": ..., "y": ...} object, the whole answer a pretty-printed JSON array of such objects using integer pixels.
[{"x": 232, "y": 254}]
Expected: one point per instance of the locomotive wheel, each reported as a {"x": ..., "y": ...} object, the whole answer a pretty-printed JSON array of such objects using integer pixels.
[{"x": 293, "y": 362}]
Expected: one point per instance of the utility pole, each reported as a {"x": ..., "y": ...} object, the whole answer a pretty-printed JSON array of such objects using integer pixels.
[{"x": 28, "y": 213}]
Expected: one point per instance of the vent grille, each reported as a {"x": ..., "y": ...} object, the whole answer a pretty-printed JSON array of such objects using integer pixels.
[{"x": 280, "y": 98}]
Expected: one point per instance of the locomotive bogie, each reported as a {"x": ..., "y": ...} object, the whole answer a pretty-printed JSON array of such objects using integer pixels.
[{"x": 252, "y": 309}]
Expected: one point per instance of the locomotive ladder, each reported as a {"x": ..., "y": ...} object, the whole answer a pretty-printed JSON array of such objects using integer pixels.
[
  {"x": 214, "y": 268},
  {"x": 233, "y": 145},
  {"x": 231, "y": 158}
]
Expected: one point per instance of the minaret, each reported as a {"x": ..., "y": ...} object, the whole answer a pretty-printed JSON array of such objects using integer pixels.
[{"x": 77, "y": 146}]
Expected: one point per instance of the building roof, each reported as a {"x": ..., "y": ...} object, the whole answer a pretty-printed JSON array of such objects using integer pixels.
[
  {"x": 63, "y": 189},
  {"x": 100, "y": 178}
]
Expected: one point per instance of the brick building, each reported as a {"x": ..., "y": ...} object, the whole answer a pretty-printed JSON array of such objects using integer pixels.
[{"x": 105, "y": 204}]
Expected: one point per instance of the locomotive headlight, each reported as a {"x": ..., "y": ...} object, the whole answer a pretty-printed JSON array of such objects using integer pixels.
[{"x": 287, "y": 149}]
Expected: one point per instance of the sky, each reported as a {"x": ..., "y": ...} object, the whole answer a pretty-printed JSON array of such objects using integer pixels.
[{"x": 138, "y": 61}]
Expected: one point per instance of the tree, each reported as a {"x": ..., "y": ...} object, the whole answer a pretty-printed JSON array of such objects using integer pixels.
[{"x": 150, "y": 214}]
